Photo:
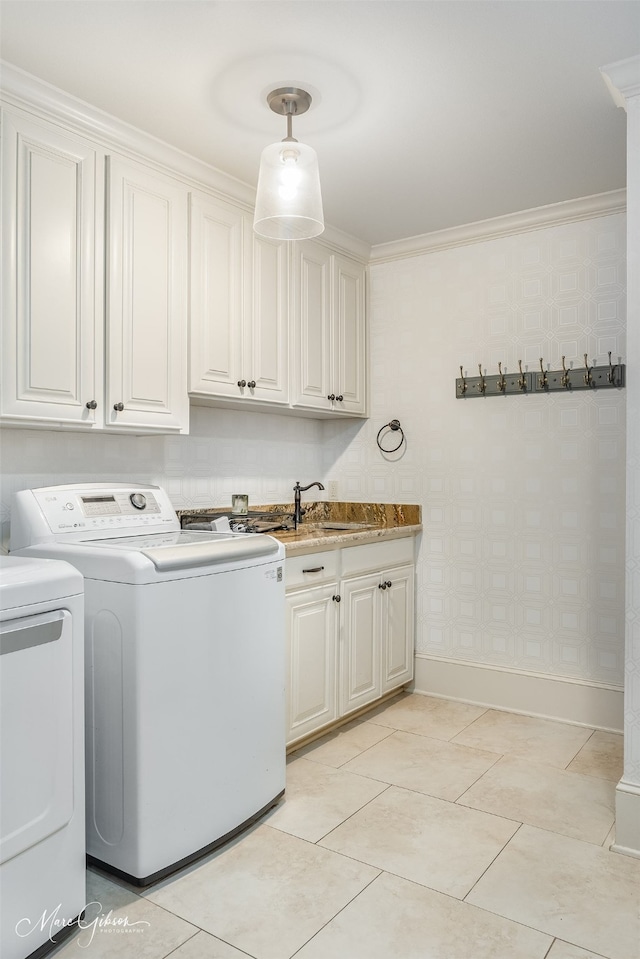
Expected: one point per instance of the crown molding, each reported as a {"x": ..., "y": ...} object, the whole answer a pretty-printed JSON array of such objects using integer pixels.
[
  {"x": 28, "y": 93},
  {"x": 555, "y": 214},
  {"x": 622, "y": 79}
]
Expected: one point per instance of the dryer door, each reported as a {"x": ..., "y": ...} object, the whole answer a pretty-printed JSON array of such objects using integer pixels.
[{"x": 36, "y": 729}]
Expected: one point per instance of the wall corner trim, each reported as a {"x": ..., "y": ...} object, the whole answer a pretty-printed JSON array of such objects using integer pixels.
[
  {"x": 555, "y": 214},
  {"x": 627, "y": 839}
]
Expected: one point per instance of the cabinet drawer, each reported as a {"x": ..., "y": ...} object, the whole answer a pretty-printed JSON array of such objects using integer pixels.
[
  {"x": 311, "y": 569},
  {"x": 393, "y": 552}
]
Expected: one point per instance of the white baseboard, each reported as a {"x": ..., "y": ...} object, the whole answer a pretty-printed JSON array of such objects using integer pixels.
[
  {"x": 596, "y": 705},
  {"x": 627, "y": 839}
]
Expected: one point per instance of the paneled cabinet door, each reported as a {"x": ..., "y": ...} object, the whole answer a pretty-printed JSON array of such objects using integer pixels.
[
  {"x": 348, "y": 348},
  {"x": 361, "y": 642},
  {"x": 146, "y": 362},
  {"x": 51, "y": 328},
  {"x": 312, "y": 627},
  {"x": 239, "y": 309},
  {"x": 397, "y": 626},
  {"x": 266, "y": 346},
  {"x": 216, "y": 307},
  {"x": 312, "y": 313},
  {"x": 328, "y": 306}
]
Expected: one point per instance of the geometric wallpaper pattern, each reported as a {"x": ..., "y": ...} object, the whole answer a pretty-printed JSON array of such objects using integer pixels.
[
  {"x": 522, "y": 556},
  {"x": 521, "y": 562}
]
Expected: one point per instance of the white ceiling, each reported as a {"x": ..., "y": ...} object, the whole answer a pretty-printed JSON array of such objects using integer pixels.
[{"x": 425, "y": 115}]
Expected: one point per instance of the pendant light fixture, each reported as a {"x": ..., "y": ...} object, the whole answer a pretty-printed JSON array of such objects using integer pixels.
[{"x": 288, "y": 201}]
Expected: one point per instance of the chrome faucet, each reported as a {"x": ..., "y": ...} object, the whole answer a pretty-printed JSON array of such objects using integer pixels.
[{"x": 298, "y": 512}]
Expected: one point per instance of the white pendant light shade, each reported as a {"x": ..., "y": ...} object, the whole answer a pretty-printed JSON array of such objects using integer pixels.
[{"x": 288, "y": 200}]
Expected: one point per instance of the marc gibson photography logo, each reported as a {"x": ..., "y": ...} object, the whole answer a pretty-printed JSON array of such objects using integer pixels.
[{"x": 53, "y": 923}]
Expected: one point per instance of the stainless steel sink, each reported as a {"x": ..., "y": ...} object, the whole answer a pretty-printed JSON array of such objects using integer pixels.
[{"x": 347, "y": 527}]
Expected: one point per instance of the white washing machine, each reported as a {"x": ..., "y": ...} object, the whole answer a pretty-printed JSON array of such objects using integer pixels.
[
  {"x": 42, "y": 822},
  {"x": 185, "y": 671}
]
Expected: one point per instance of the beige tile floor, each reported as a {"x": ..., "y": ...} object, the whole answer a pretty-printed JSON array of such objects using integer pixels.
[{"x": 427, "y": 830}]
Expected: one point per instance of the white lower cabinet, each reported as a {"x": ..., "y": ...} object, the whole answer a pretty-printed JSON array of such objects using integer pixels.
[
  {"x": 350, "y": 624},
  {"x": 377, "y": 653},
  {"x": 312, "y": 623}
]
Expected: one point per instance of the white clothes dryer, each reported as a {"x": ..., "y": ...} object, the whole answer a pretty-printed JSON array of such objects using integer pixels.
[
  {"x": 42, "y": 800},
  {"x": 185, "y": 671}
]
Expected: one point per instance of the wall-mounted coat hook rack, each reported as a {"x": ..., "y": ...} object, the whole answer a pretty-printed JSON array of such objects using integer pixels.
[
  {"x": 499, "y": 384},
  {"x": 611, "y": 375},
  {"x": 566, "y": 380}
]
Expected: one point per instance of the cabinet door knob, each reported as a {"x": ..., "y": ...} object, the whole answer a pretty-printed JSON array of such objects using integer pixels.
[
  {"x": 331, "y": 396},
  {"x": 382, "y": 585},
  {"x": 251, "y": 384},
  {"x": 389, "y": 584},
  {"x": 340, "y": 398},
  {"x": 118, "y": 407},
  {"x": 336, "y": 598},
  {"x": 242, "y": 384},
  {"x": 91, "y": 405}
]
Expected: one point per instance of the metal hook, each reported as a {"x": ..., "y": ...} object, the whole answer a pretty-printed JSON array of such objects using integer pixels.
[
  {"x": 502, "y": 383},
  {"x": 463, "y": 385},
  {"x": 564, "y": 379},
  {"x": 587, "y": 375},
  {"x": 522, "y": 383},
  {"x": 612, "y": 371},
  {"x": 482, "y": 385},
  {"x": 542, "y": 381}
]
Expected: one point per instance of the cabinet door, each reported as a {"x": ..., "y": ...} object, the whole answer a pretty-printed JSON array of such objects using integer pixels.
[
  {"x": 266, "y": 354},
  {"x": 146, "y": 367},
  {"x": 312, "y": 617},
  {"x": 216, "y": 302},
  {"x": 360, "y": 642},
  {"x": 51, "y": 329},
  {"x": 348, "y": 347},
  {"x": 397, "y": 627},
  {"x": 312, "y": 316}
]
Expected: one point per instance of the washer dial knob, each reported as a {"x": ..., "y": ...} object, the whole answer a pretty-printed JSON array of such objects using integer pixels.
[{"x": 139, "y": 500}]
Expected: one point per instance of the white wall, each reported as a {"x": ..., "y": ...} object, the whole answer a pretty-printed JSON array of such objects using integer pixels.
[{"x": 522, "y": 558}]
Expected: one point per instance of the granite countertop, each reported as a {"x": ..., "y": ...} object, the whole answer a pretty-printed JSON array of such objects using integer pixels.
[
  {"x": 361, "y": 522},
  {"x": 310, "y": 538}
]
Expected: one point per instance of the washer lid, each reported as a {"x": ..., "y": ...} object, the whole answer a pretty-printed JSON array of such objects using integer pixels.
[
  {"x": 26, "y": 581},
  {"x": 185, "y": 549}
]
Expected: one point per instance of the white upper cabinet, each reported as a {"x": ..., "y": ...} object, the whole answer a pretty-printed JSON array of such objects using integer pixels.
[
  {"x": 330, "y": 350},
  {"x": 132, "y": 286},
  {"x": 146, "y": 368},
  {"x": 82, "y": 349},
  {"x": 349, "y": 346},
  {"x": 238, "y": 309},
  {"x": 51, "y": 324}
]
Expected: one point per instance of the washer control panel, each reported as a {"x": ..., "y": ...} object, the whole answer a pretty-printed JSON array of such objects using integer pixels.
[{"x": 114, "y": 509}]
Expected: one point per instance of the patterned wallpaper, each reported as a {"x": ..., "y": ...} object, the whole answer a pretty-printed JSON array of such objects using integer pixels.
[
  {"x": 521, "y": 562},
  {"x": 227, "y": 451},
  {"x": 522, "y": 558}
]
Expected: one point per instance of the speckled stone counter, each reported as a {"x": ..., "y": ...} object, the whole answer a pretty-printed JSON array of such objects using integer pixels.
[{"x": 383, "y": 521}]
